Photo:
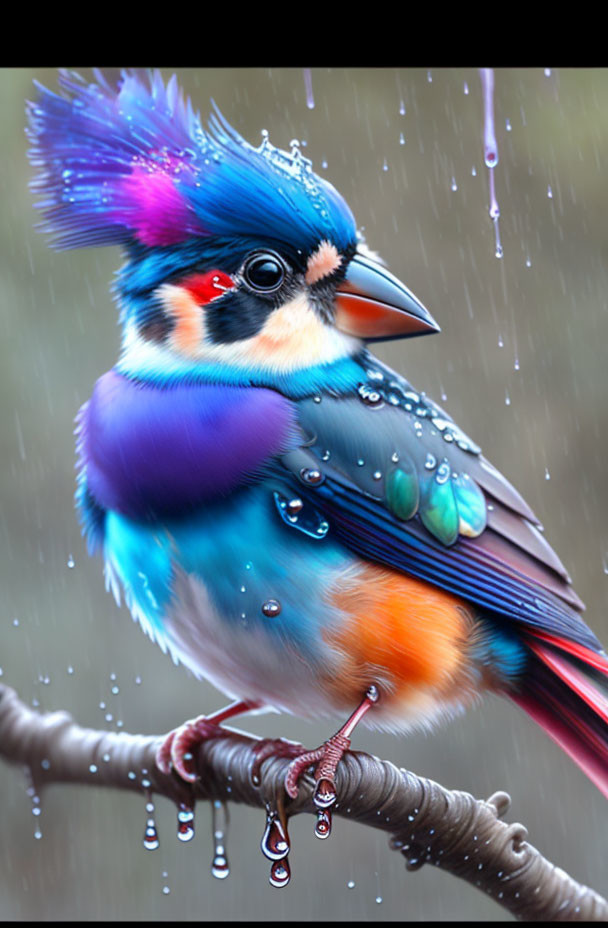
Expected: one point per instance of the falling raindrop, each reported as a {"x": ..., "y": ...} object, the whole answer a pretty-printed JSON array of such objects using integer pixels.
[
  {"x": 70, "y": 561},
  {"x": 310, "y": 100}
]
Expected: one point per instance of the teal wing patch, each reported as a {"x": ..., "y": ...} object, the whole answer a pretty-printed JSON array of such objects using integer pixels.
[{"x": 403, "y": 450}]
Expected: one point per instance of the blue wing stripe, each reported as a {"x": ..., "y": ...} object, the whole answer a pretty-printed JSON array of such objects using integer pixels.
[{"x": 364, "y": 526}]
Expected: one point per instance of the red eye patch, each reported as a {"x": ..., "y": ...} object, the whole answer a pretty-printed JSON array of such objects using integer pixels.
[{"x": 208, "y": 286}]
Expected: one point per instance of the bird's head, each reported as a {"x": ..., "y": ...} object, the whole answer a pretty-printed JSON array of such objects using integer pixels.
[{"x": 239, "y": 259}]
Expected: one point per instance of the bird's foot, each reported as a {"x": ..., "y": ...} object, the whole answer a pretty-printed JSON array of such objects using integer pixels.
[
  {"x": 327, "y": 757},
  {"x": 272, "y": 747},
  {"x": 177, "y": 750}
]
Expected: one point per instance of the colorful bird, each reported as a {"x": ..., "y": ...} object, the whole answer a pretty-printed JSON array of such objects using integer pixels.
[{"x": 284, "y": 514}]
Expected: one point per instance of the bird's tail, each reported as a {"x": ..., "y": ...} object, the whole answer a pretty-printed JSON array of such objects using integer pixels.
[{"x": 565, "y": 690}]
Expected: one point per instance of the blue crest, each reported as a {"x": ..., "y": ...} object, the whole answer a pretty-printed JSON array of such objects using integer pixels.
[{"x": 133, "y": 164}]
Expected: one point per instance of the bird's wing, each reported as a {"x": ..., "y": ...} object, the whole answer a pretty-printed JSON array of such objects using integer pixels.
[{"x": 399, "y": 483}]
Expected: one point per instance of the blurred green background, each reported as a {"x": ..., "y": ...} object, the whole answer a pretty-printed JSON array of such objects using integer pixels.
[{"x": 521, "y": 364}]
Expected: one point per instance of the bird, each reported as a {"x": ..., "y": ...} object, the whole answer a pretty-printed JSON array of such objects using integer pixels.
[{"x": 284, "y": 514}]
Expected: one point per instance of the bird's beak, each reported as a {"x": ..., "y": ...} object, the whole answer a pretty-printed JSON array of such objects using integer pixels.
[{"x": 373, "y": 304}]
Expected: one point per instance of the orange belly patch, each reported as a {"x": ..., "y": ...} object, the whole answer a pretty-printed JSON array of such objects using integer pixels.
[{"x": 402, "y": 633}]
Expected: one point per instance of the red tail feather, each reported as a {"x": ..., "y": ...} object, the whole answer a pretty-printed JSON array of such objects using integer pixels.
[{"x": 569, "y": 706}]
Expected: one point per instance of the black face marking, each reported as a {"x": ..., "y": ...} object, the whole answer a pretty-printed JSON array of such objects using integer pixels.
[
  {"x": 265, "y": 282},
  {"x": 241, "y": 315}
]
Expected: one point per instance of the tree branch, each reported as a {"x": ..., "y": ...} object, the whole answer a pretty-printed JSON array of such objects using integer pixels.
[{"x": 427, "y": 823}]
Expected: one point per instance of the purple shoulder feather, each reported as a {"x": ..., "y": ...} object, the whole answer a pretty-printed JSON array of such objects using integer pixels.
[{"x": 148, "y": 451}]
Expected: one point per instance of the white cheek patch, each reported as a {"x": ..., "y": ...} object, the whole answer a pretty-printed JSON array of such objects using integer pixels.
[
  {"x": 324, "y": 261},
  {"x": 293, "y": 338}
]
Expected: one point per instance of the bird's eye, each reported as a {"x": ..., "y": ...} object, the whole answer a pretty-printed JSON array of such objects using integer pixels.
[{"x": 264, "y": 271}]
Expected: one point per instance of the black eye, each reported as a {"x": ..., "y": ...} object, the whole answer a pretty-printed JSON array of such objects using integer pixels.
[{"x": 264, "y": 271}]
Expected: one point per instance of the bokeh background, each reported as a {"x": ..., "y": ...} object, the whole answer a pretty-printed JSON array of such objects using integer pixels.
[{"x": 521, "y": 364}]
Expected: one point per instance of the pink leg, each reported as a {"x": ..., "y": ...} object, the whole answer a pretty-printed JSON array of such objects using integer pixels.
[
  {"x": 327, "y": 757},
  {"x": 176, "y": 750}
]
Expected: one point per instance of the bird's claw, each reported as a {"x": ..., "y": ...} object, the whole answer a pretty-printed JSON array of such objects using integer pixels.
[
  {"x": 327, "y": 757},
  {"x": 176, "y": 751},
  {"x": 272, "y": 747}
]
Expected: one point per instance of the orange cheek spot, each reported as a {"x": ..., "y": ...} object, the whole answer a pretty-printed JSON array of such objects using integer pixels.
[
  {"x": 181, "y": 306},
  {"x": 404, "y": 631}
]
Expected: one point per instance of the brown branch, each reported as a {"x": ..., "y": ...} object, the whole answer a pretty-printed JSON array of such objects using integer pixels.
[{"x": 428, "y": 823}]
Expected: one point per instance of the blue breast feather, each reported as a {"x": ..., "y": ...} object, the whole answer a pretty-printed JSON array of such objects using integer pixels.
[{"x": 243, "y": 553}]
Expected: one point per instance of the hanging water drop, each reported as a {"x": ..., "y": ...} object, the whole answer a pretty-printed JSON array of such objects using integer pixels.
[
  {"x": 491, "y": 151},
  {"x": 280, "y": 873},
  {"x": 275, "y": 842},
  {"x": 324, "y": 795},
  {"x": 185, "y": 822},
  {"x": 323, "y": 825},
  {"x": 220, "y": 820},
  {"x": 151, "y": 841}
]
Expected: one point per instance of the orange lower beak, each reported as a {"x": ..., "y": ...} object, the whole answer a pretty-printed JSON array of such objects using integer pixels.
[{"x": 371, "y": 303}]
